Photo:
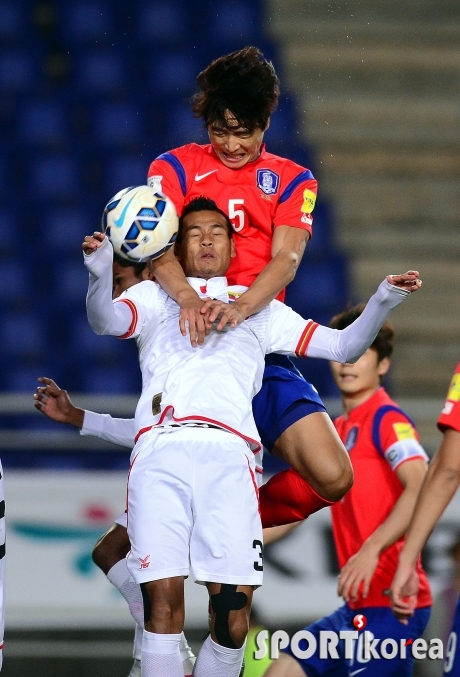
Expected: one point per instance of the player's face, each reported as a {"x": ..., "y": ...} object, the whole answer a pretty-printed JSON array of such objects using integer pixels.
[
  {"x": 206, "y": 247},
  {"x": 234, "y": 145},
  {"x": 125, "y": 277},
  {"x": 362, "y": 378}
]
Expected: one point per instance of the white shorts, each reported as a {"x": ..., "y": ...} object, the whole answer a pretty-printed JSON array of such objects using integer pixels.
[
  {"x": 193, "y": 500},
  {"x": 122, "y": 520}
]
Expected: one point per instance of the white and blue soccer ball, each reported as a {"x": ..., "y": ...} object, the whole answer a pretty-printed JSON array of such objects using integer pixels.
[{"x": 141, "y": 223}]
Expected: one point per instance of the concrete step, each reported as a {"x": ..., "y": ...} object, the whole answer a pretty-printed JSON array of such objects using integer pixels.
[
  {"x": 423, "y": 369},
  {"x": 418, "y": 240},
  {"x": 382, "y": 119},
  {"x": 384, "y": 200},
  {"x": 429, "y": 12}
]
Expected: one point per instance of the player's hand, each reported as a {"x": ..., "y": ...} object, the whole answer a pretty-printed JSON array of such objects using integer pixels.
[
  {"x": 403, "y": 592},
  {"x": 224, "y": 313},
  {"x": 193, "y": 321},
  {"x": 356, "y": 575},
  {"x": 410, "y": 281},
  {"x": 92, "y": 242},
  {"x": 56, "y": 403}
]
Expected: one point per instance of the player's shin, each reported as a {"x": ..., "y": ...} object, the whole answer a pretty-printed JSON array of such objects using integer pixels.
[
  {"x": 120, "y": 577},
  {"x": 286, "y": 498},
  {"x": 215, "y": 660},
  {"x": 161, "y": 655}
]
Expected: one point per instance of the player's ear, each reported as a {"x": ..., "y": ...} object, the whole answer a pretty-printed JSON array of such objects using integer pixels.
[{"x": 384, "y": 366}]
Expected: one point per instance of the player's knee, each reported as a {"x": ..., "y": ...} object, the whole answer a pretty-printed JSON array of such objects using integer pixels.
[
  {"x": 112, "y": 547},
  {"x": 230, "y": 629}
]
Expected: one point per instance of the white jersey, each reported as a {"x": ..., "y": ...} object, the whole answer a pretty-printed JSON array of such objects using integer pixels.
[{"x": 214, "y": 383}]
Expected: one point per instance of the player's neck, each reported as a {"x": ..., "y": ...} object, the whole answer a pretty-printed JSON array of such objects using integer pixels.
[{"x": 352, "y": 400}]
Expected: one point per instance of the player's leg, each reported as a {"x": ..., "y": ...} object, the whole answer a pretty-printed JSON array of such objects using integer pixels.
[
  {"x": 293, "y": 424},
  {"x": 452, "y": 652},
  {"x": 164, "y": 621},
  {"x": 159, "y": 526},
  {"x": 226, "y": 546}
]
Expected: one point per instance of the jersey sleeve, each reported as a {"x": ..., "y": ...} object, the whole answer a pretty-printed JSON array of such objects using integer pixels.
[
  {"x": 450, "y": 414},
  {"x": 287, "y": 332},
  {"x": 143, "y": 300},
  {"x": 398, "y": 439},
  {"x": 119, "y": 431},
  {"x": 168, "y": 174},
  {"x": 297, "y": 200}
]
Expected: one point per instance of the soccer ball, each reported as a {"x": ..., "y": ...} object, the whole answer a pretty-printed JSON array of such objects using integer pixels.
[{"x": 141, "y": 223}]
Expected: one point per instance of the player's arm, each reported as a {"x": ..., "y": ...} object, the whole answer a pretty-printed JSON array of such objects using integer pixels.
[
  {"x": 288, "y": 246},
  {"x": 170, "y": 275},
  {"x": 273, "y": 534},
  {"x": 168, "y": 175},
  {"x": 441, "y": 483},
  {"x": 347, "y": 345},
  {"x": 104, "y": 315},
  {"x": 57, "y": 405},
  {"x": 360, "y": 568}
]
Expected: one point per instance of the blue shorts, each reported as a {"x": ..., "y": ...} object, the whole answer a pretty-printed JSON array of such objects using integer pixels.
[
  {"x": 452, "y": 650},
  {"x": 383, "y": 625},
  {"x": 285, "y": 397}
]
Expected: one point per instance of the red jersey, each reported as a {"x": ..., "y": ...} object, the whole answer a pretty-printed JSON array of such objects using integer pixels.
[
  {"x": 450, "y": 415},
  {"x": 269, "y": 192},
  {"x": 379, "y": 437}
]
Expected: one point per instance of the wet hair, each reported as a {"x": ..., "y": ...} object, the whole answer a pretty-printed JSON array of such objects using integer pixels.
[
  {"x": 138, "y": 267},
  {"x": 201, "y": 204},
  {"x": 383, "y": 342},
  {"x": 243, "y": 83}
]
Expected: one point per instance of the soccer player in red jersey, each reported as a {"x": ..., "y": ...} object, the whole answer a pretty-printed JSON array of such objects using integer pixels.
[
  {"x": 441, "y": 483},
  {"x": 370, "y": 521},
  {"x": 269, "y": 200}
]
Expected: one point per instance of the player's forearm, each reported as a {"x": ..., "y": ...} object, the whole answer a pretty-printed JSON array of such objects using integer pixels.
[
  {"x": 171, "y": 277},
  {"x": 269, "y": 283},
  {"x": 347, "y": 345},
  {"x": 119, "y": 431},
  {"x": 272, "y": 534},
  {"x": 75, "y": 417},
  {"x": 439, "y": 487}
]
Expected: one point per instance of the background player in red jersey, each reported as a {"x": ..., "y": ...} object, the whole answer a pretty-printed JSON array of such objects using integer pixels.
[
  {"x": 370, "y": 521},
  {"x": 269, "y": 200},
  {"x": 441, "y": 483}
]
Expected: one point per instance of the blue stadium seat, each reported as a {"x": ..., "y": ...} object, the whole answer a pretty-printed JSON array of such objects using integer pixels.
[
  {"x": 54, "y": 176},
  {"x": 183, "y": 128},
  {"x": 118, "y": 124},
  {"x": 112, "y": 378},
  {"x": 15, "y": 281},
  {"x": 101, "y": 71},
  {"x": 22, "y": 334},
  {"x": 233, "y": 24},
  {"x": 87, "y": 21},
  {"x": 85, "y": 344},
  {"x": 43, "y": 122},
  {"x": 12, "y": 21},
  {"x": 65, "y": 227},
  {"x": 18, "y": 70},
  {"x": 320, "y": 284},
  {"x": 122, "y": 171},
  {"x": 70, "y": 280},
  {"x": 162, "y": 23},
  {"x": 9, "y": 227},
  {"x": 173, "y": 73}
]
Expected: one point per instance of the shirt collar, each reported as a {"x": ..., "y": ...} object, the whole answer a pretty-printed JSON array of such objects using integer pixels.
[{"x": 215, "y": 287}]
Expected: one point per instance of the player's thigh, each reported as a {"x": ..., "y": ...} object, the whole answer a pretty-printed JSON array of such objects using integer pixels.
[
  {"x": 312, "y": 446},
  {"x": 112, "y": 546},
  {"x": 452, "y": 649},
  {"x": 159, "y": 506},
  {"x": 382, "y": 625},
  {"x": 226, "y": 542}
]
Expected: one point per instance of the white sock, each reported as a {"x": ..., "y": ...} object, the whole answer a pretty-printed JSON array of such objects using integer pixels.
[
  {"x": 137, "y": 646},
  {"x": 215, "y": 660},
  {"x": 161, "y": 655},
  {"x": 120, "y": 577}
]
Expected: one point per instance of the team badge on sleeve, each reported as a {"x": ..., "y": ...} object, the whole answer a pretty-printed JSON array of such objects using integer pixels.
[
  {"x": 267, "y": 181},
  {"x": 309, "y": 200},
  {"x": 454, "y": 391},
  {"x": 154, "y": 182}
]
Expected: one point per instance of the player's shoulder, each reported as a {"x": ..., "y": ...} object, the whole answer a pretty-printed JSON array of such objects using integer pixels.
[
  {"x": 385, "y": 408},
  {"x": 147, "y": 290}
]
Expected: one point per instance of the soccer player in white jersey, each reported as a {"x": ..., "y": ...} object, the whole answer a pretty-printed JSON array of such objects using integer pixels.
[{"x": 191, "y": 489}]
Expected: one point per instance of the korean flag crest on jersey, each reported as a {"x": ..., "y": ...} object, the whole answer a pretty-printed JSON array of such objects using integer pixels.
[{"x": 267, "y": 181}]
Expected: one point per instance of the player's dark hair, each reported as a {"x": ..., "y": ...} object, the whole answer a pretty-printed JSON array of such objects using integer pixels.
[
  {"x": 383, "y": 342},
  {"x": 243, "y": 83},
  {"x": 138, "y": 267},
  {"x": 201, "y": 204}
]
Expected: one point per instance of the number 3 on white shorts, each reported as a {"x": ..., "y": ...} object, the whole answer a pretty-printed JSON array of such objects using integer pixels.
[{"x": 237, "y": 214}]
